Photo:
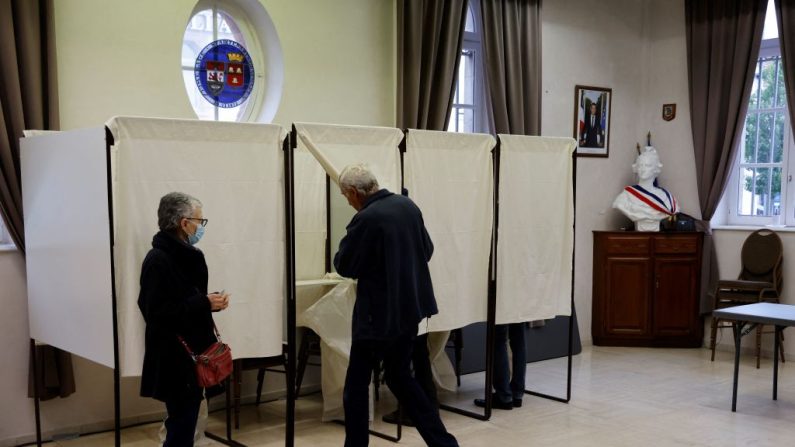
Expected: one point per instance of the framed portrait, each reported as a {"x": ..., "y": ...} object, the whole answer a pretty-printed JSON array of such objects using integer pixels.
[{"x": 592, "y": 120}]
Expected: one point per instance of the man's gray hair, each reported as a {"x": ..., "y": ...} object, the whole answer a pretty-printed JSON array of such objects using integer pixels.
[
  {"x": 173, "y": 207},
  {"x": 360, "y": 178}
]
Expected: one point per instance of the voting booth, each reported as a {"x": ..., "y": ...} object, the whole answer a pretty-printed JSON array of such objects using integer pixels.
[
  {"x": 500, "y": 212},
  {"x": 90, "y": 201},
  {"x": 321, "y": 152},
  {"x": 455, "y": 181}
]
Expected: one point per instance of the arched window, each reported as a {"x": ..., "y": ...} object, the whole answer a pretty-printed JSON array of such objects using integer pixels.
[
  {"x": 468, "y": 112},
  {"x": 245, "y": 25}
]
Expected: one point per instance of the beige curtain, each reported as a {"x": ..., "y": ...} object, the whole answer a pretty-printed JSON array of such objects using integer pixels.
[
  {"x": 430, "y": 37},
  {"x": 723, "y": 39},
  {"x": 28, "y": 94},
  {"x": 785, "y": 13},
  {"x": 512, "y": 59}
]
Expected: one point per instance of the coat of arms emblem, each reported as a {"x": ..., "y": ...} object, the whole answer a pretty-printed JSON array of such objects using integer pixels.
[
  {"x": 215, "y": 77},
  {"x": 669, "y": 112},
  {"x": 224, "y": 73},
  {"x": 234, "y": 71}
]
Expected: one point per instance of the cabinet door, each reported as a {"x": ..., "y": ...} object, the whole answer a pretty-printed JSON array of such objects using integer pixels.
[
  {"x": 675, "y": 295},
  {"x": 627, "y": 296}
]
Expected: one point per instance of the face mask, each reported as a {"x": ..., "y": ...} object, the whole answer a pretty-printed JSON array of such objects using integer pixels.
[{"x": 194, "y": 238}]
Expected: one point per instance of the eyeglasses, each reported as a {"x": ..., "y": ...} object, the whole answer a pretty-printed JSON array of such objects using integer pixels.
[{"x": 202, "y": 222}]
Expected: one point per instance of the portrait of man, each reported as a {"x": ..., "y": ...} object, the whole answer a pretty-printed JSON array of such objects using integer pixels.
[
  {"x": 592, "y": 125},
  {"x": 592, "y": 135}
]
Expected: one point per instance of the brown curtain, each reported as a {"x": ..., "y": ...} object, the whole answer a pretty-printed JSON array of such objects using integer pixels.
[
  {"x": 723, "y": 39},
  {"x": 785, "y": 13},
  {"x": 28, "y": 93},
  {"x": 55, "y": 374},
  {"x": 512, "y": 59},
  {"x": 28, "y": 100},
  {"x": 430, "y": 37}
]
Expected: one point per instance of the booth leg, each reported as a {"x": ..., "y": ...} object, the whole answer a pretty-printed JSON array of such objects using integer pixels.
[{"x": 36, "y": 408}]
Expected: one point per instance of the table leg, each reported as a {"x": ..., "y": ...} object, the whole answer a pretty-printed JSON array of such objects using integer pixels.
[
  {"x": 737, "y": 328},
  {"x": 777, "y": 336}
]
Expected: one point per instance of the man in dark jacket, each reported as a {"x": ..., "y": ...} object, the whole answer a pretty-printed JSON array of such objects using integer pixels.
[
  {"x": 387, "y": 250},
  {"x": 175, "y": 303}
]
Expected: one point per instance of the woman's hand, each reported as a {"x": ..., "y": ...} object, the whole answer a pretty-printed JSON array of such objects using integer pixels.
[{"x": 218, "y": 301}]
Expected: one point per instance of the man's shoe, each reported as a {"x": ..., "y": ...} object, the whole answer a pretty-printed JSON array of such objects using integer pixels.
[
  {"x": 392, "y": 418},
  {"x": 495, "y": 403},
  {"x": 517, "y": 403}
]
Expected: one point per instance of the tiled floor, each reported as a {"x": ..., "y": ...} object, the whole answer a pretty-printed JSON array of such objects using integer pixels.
[{"x": 620, "y": 397}]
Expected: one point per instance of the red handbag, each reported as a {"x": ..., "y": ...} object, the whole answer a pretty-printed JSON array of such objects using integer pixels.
[{"x": 214, "y": 364}]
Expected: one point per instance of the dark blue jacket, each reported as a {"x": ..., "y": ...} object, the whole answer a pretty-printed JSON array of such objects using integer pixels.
[{"x": 387, "y": 250}]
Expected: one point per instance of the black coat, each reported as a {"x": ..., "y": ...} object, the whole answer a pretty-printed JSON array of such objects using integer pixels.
[
  {"x": 387, "y": 248},
  {"x": 173, "y": 301}
]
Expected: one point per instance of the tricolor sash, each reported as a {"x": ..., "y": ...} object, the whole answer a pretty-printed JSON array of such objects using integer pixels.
[{"x": 654, "y": 201}]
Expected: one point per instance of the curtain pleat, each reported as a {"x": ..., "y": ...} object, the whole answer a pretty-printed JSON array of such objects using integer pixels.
[
  {"x": 785, "y": 14},
  {"x": 430, "y": 38},
  {"x": 723, "y": 39},
  {"x": 512, "y": 59}
]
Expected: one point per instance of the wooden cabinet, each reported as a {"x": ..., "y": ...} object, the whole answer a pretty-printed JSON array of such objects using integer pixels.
[{"x": 646, "y": 289}]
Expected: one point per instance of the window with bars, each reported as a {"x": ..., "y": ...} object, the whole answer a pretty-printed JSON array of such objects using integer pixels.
[
  {"x": 468, "y": 112},
  {"x": 760, "y": 188}
]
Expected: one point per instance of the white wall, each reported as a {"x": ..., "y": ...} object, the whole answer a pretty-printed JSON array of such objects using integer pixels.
[
  {"x": 641, "y": 54},
  {"x": 16, "y": 408},
  {"x": 122, "y": 58}
]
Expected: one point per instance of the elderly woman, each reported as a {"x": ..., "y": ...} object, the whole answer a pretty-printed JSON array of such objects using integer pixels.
[{"x": 175, "y": 303}]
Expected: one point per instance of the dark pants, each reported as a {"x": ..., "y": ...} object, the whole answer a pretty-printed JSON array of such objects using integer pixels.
[
  {"x": 508, "y": 382},
  {"x": 421, "y": 361},
  {"x": 396, "y": 355},
  {"x": 181, "y": 422}
]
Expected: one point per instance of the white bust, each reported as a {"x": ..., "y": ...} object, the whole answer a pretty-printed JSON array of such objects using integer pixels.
[{"x": 646, "y": 203}]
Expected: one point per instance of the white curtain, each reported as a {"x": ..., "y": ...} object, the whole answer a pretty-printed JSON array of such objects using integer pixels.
[
  {"x": 536, "y": 235},
  {"x": 236, "y": 170},
  {"x": 377, "y": 147},
  {"x": 310, "y": 216},
  {"x": 65, "y": 186},
  {"x": 450, "y": 177}
]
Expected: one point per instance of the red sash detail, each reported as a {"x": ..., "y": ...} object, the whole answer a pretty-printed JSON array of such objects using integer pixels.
[{"x": 648, "y": 201}]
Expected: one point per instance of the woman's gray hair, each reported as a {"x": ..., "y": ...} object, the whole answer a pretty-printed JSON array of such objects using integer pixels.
[
  {"x": 173, "y": 207},
  {"x": 360, "y": 178}
]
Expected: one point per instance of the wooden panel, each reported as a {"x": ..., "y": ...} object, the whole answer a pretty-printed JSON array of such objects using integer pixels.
[
  {"x": 676, "y": 245},
  {"x": 645, "y": 289},
  {"x": 626, "y": 300},
  {"x": 626, "y": 245},
  {"x": 676, "y": 295}
]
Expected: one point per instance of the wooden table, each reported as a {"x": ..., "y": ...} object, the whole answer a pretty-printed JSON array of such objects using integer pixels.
[{"x": 745, "y": 319}]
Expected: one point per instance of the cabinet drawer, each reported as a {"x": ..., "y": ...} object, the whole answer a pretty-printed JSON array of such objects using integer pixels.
[
  {"x": 676, "y": 245},
  {"x": 626, "y": 245}
]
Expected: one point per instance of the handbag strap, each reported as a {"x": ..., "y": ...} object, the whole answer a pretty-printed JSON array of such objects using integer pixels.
[
  {"x": 217, "y": 334},
  {"x": 187, "y": 348}
]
